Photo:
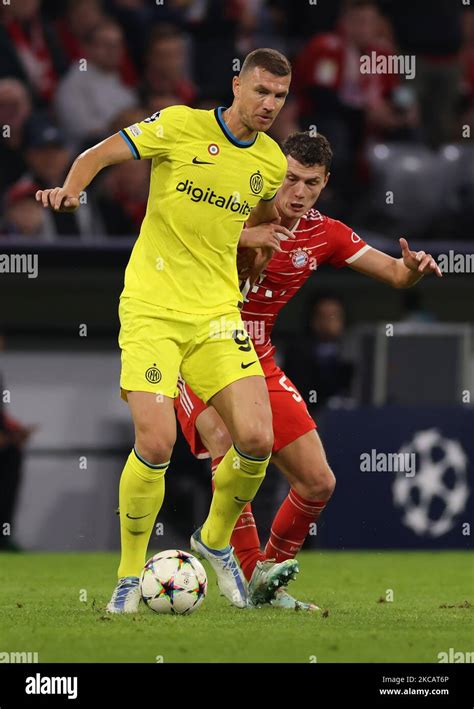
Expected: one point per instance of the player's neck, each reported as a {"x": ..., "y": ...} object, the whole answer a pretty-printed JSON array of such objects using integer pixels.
[
  {"x": 235, "y": 125},
  {"x": 288, "y": 222}
]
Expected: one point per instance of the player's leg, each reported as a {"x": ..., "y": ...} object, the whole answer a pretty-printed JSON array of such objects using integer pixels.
[
  {"x": 244, "y": 408},
  {"x": 218, "y": 370},
  {"x": 142, "y": 484},
  {"x": 304, "y": 464},
  {"x": 146, "y": 341},
  {"x": 217, "y": 440},
  {"x": 312, "y": 482},
  {"x": 142, "y": 490},
  {"x": 298, "y": 453}
]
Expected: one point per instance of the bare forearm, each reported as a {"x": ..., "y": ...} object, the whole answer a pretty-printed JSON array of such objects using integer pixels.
[
  {"x": 83, "y": 170},
  {"x": 404, "y": 277},
  {"x": 263, "y": 212},
  {"x": 86, "y": 166}
]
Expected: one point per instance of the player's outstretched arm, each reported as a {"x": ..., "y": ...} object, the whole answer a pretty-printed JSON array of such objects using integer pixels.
[
  {"x": 398, "y": 273},
  {"x": 84, "y": 168}
]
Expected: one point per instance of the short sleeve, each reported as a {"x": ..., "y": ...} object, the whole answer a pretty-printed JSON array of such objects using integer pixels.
[
  {"x": 157, "y": 135},
  {"x": 277, "y": 177},
  {"x": 347, "y": 246}
]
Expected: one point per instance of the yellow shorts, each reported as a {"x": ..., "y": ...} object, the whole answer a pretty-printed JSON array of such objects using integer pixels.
[{"x": 157, "y": 344}]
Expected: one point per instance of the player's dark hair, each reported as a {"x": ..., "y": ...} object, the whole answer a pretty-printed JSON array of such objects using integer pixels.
[
  {"x": 270, "y": 59},
  {"x": 308, "y": 149}
]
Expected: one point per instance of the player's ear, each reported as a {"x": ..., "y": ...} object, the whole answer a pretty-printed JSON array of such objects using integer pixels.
[
  {"x": 325, "y": 180},
  {"x": 236, "y": 86}
]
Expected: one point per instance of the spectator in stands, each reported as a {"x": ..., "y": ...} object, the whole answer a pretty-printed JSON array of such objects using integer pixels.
[
  {"x": 15, "y": 109},
  {"x": 48, "y": 160},
  {"x": 122, "y": 197},
  {"x": 29, "y": 49},
  {"x": 23, "y": 216},
  {"x": 432, "y": 32},
  {"x": 315, "y": 362},
  {"x": 286, "y": 122},
  {"x": 166, "y": 67},
  {"x": 72, "y": 29},
  {"x": 91, "y": 94},
  {"x": 138, "y": 18},
  {"x": 156, "y": 102},
  {"x": 340, "y": 100}
]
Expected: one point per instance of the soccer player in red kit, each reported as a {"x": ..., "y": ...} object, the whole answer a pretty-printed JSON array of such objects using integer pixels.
[{"x": 297, "y": 450}]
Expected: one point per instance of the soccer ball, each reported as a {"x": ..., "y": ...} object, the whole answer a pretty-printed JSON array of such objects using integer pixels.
[{"x": 173, "y": 581}]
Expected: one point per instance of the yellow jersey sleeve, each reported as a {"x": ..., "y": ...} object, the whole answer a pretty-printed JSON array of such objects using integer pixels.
[
  {"x": 276, "y": 178},
  {"x": 156, "y": 136}
]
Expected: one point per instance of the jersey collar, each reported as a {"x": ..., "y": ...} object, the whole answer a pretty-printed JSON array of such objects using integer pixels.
[{"x": 228, "y": 134}]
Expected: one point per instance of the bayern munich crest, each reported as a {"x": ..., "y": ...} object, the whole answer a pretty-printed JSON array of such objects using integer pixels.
[{"x": 299, "y": 258}]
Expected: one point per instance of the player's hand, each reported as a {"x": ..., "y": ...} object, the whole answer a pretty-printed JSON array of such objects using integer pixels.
[
  {"x": 266, "y": 235},
  {"x": 245, "y": 259},
  {"x": 58, "y": 199},
  {"x": 260, "y": 261},
  {"x": 419, "y": 260}
]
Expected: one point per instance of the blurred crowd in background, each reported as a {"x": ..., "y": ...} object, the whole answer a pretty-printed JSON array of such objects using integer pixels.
[{"x": 73, "y": 72}]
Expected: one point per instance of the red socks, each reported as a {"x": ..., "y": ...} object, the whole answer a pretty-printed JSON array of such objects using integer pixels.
[
  {"x": 291, "y": 526},
  {"x": 289, "y": 530}
]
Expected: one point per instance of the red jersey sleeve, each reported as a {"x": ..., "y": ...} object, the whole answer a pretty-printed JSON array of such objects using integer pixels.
[{"x": 346, "y": 245}]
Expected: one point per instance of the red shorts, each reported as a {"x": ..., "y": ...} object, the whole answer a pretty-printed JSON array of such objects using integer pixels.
[{"x": 291, "y": 418}]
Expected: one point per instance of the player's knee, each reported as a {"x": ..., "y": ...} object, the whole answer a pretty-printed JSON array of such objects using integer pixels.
[
  {"x": 256, "y": 441},
  {"x": 218, "y": 442},
  {"x": 317, "y": 484},
  {"x": 154, "y": 449}
]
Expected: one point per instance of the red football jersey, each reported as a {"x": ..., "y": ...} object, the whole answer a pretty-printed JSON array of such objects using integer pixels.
[{"x": 317, "y": 239}]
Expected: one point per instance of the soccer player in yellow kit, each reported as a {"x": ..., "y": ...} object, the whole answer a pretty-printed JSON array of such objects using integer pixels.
[{"x": 212, "y": 171}]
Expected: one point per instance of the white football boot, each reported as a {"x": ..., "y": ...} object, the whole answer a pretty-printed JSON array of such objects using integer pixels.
[
  {"x": 126, "y": 596},
  {"x": 230, "y": 579}
]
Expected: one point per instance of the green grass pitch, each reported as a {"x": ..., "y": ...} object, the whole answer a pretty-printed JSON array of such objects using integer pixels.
[{"x": 42, "y": 609}]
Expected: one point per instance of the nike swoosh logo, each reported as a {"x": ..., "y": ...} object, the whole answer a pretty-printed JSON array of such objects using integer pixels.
[
  {"x": 201, "y": 162},
  {"x": 244, "y": 366},
  {"x": 239, "y": 500},
  {"x": 142, "y": 517}
]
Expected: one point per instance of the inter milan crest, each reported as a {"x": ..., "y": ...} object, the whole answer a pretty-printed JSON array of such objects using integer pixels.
[
  {"x": 153, "y": 375},
  {"x": 256, "y": 182}
]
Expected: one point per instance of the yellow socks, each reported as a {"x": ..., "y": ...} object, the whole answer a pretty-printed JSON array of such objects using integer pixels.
[
  {"x": 141, "y": 494},
  {"x": 237, "y": 479}
]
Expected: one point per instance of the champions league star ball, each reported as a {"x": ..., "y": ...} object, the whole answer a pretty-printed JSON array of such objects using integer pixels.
[{"x": 173, "y": 581}]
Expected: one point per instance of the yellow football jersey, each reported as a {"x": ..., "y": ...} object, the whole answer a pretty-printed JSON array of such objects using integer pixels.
[{"x": 204, "y": 183}]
